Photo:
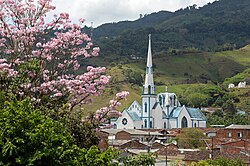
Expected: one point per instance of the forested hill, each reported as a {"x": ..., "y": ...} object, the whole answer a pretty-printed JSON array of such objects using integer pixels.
[{"x": 221, "y": 25}]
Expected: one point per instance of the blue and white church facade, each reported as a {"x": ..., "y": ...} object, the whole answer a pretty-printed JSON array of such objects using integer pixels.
[{"x": 158, "y": 111}]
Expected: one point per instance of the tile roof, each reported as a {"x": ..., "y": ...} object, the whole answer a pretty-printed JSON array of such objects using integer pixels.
[
  {"x": 196, "y": 113},
  {"x": 134, "y": 116},
  {"x": 131, "y": 131},
  {"x": 175, "y": 112},
  {"x": 204, "y": 155},
  {"x": 233, "y": 126}
]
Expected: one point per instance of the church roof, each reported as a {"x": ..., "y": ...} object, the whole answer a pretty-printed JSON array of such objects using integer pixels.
[
  {"x": 134, "y": 116},
  {"x": 164, "y": 116},
  {"x": 196, "y": 113},
  {"x": 175, "y": 112}
]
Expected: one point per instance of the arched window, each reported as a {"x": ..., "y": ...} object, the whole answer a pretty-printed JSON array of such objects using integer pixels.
[
  {"x": 195, "y": 125},
  {"x": 145, "y": 107},
  {"x": 145, "y": 123},
  {"x": 149, "y": 89},
  {"x": 160, "y": 100},
  {"x": 184, "y": 123},
  {"x": 165, "y": 125},
  {"x": 170, "y": 101},
  {"x": 115, "y": 126},
  {"x": 174, "y": 101}
]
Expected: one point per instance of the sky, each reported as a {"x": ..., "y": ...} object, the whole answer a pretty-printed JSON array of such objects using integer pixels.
[{"x": 106, "y": 11}]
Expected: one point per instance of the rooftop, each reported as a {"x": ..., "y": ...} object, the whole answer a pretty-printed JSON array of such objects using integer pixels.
[
  {"x": 233, "y": 126},
  {"x": 131, "y": 131}
]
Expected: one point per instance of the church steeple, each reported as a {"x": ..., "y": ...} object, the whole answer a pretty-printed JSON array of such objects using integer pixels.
[{"x": 149, "y": 87}]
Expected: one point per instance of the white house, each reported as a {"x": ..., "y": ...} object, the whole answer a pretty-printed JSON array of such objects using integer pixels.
[
  {"x": 157, "y": 111},
  {"x": 231, "y": 86}
]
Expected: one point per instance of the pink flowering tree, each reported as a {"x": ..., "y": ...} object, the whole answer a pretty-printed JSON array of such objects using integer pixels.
[
  {"x": 39, "y": 58},
  {"x": 84, "y": 129},
  {"x": 105, "y": 113}
]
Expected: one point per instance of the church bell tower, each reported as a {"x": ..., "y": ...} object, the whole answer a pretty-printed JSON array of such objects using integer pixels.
[{"x": 149, "y": 94}]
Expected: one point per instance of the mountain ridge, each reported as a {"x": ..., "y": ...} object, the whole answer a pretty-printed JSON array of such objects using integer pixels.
[{"x": 221, "y": 25}]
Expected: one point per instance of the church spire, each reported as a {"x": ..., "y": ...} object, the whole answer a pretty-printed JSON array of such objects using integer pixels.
[{"x": 149, "y": 87}]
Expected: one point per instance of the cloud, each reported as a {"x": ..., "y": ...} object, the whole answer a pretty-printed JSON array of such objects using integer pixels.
[{"x": 103, "y": 11}]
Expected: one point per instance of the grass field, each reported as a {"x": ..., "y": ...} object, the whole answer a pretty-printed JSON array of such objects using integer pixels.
[{"x": 175, "y": 71}]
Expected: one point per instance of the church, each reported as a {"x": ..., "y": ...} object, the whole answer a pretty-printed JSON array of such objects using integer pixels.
[{"x": 158, "y": 111}]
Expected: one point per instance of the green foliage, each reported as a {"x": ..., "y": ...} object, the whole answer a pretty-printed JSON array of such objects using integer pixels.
[
  {"x": 141, "y": 159},
  {"x": 133, "y": 76},
  {"x": 243, "y": 76},
  {"x": 191, "y": 138},
  {"x": 27, "y": 137},
  {"x": 197, "y": 100},
  {"x": 220, "y": 162},
  {"x": 83, "y": 132},
  {"x": 228, "y": 119},
  {"x": 199, "y": 95}
]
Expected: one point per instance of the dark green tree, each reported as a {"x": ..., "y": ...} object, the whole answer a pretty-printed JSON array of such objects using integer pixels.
[{"x": 27, "y": 137}]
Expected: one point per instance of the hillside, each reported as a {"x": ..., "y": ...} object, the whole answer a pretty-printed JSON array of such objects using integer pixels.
[
  {"x": 196, "y": 73},
  {"x": 222, "y": 25}
]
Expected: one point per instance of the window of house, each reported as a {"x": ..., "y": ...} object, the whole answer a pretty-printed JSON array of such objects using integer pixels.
[
  {"x": 230, "y": 135},
  {"x": 145, "y": 107},
  {"x": 165, "y": 125},
  {"x": 145, "y": 123},
  {"x": 240, "y": 135},
  {"x": 151, "y": 124}
]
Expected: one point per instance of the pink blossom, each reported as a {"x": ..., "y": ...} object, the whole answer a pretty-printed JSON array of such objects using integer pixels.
[
  {"x": 96, "y": 51},
  {"x": 81, "y": 20},
  {"x": 39, "y": 45},
  {"x": 60, "y": 65},
  {"x": 57, "y": 94},
  {"x": 53, "y": 56},
  {"x": 122, "y": 95},
  {"x": 3, "y": 60},
  {"x": 36, "y": 53}
]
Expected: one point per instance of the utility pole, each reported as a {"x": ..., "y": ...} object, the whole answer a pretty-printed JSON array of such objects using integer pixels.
[
  {"x": 166, "y": 155},
  {"x": 148, "y": 140},
  {"x": 212, "y": 135}
]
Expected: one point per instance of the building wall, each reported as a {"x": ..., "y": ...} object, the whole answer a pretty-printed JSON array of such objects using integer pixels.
[
  {"x": 123, "y": 135},
  {"x": 233, "y": 134},
  {"x": 157, "y": 118},
  {"x": 202, "y": 124},
  {"x": 235, "y": 147},
  {"x": 137, "y": 124},
  {"x": 151, "y": 100},
  {"x": 173, "y": 123},
  {"x": 184, "y": 113},
  {"x": 130, "y": 122}
]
